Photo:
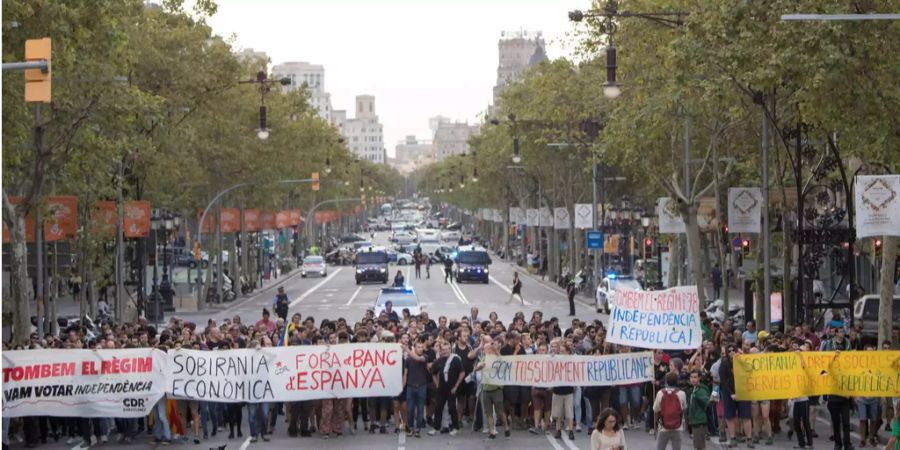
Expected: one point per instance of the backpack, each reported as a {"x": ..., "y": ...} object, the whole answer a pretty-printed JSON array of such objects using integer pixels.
[{"x": 670, "y": 409}]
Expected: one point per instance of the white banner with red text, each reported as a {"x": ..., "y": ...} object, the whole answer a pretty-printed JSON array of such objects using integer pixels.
[
  {"x": 568, "y": 370},
  {"x": 668, "y": 319},
  {"x": 287, "y": 374},
  {"x": 83, "y": 383}
]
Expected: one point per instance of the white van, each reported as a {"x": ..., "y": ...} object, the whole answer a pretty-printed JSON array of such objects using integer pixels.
[{"x": 865, "y": 311}]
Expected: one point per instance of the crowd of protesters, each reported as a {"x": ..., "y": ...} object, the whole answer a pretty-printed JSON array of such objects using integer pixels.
[{"x": 692, "y": 391}]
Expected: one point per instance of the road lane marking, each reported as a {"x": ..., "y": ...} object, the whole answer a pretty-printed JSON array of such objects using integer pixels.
[
  {"x": 317, "y": 286},
  {"x": 570, "y": 443},
  {"x": 354, "y": 296},
  {"x": 506, "y": 289},
  {"x": 553, "y": 442},
  {"x": 459, "y": 294},
  {"x": 245, "y": 444}
]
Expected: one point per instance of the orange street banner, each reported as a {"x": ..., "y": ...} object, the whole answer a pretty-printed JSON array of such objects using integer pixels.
[
  {"x": 294, "y": 218},
  {"x": 62, "y": 222},
  {"x": 231, "y": 220},
  {"x": 773, "y": 376},
  {"x": 251, "y": 220},
  {"x": 209, "y": 223},
  {"x": 266, "y": 220},
  {"x": 104, "y": 218},
  {"x": 137, "y": 219},
  {"x": 282, "y": 219}
]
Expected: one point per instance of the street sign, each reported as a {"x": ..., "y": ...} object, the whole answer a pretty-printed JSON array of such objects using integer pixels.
[{"x": 594, "y": 239}]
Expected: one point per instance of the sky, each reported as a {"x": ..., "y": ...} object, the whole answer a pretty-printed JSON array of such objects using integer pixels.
[{"x": 419, "y": 58}]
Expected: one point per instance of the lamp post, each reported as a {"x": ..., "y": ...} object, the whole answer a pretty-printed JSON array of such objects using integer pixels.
[
  {"x": 265, "y": 85},
  {"x": 155, "y": 222}
]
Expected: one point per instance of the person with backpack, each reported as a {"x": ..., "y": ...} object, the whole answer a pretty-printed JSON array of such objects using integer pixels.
[
  {"x": 698, "y": 400},
  {"x": 670, "y": 404}
]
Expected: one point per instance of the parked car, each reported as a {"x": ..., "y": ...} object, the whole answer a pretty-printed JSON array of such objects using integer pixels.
[
  {"x": 401, "y": 298},
  {"x": 313, "y": 265},
  {"x": 865, "y": 312},
  {"x": 605, "y": 297}
]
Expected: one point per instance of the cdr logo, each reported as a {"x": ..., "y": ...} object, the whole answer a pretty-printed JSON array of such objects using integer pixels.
[{"x": 137, "y": 403}]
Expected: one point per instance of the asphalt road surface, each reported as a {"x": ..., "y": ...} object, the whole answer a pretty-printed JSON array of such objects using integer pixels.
[{"x": 338, "y": 295}]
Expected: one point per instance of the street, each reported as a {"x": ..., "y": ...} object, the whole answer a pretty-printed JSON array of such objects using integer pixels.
[
  {"x": 337, "y": 295},
  {"x": 465, "y": 440}
]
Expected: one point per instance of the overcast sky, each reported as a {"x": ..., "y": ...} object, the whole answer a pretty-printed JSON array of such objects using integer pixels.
[{"x": 419, "y": 58}]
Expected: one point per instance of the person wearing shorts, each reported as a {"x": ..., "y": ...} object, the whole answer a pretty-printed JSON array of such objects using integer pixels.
[
  {"x": 563, "y": 403},
  {"x": 492, "y": 395},
  {"x": 541, "y": 402},
  {"x": 732, "y": 409},
  {"x": 869, "y": 409}
]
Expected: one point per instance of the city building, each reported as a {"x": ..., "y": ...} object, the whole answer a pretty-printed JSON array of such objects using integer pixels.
[
  {"x": 518, "y": 50},
  {"x": 452, "y": 138},
  {"x": 412, "y": 154},
  {"x": 260, "y": 59},
  {"x": 363, "y": 133},
  {"x": 312, "y": 78}
]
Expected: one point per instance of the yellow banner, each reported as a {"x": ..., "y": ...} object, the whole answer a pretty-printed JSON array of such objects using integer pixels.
[{"x": 773, "y": 376}]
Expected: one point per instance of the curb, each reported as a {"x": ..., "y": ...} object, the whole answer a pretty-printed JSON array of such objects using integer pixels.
[{"x": 241, "y": 300}]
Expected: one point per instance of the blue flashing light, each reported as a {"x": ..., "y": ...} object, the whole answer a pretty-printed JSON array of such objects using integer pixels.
[{"x": 611, "y": 275}]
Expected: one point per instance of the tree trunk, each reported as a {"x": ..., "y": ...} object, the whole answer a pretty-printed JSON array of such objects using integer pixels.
[
  {"x": 886, "y": 303},
  {"x": 787, "y": 292},
  {"x": 674, "y": 264},
  {"x": 689, "y": 212},
  {"x": 19, "y": 283}
]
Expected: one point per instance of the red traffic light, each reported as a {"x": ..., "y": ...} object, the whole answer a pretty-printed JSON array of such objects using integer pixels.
[
  {"x": 745, "y": 243},
  {"x": 648, "y": 242},
  {"x": 877, "y": 242}
]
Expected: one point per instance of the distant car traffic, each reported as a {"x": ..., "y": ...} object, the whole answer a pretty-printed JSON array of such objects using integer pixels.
[
  {"x": 313, "y": 265},
  {"x": 426, "y": 235},
  {"x": 451, "y": 235},
  {"x": 401, "y": 298},
  {"x": 403, "y": 237},
  {"x": 606, "y": 293}
]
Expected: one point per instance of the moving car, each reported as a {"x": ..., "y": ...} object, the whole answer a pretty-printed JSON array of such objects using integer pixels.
[
  {"x": 865, "y": 311},
  {"x": 372, "y": 265},
  {"x": 451, "y": 235},
  {"x": 401, "y": 298},
  {"x": 472, "y": 265},
  {"x": 403, "y": 237},
  {"x": 606, "y": 293},
  {"x": 429, "y": 235},
  {"x": 313, "y": 265}
]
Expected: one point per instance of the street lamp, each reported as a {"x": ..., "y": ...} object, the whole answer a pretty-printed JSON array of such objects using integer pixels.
[
  {"x": 327, "y": 165},
  {"x": 610, "y": 88},
  {"x": 516, "y": 159},
  {"x": 475, "y": 175}
]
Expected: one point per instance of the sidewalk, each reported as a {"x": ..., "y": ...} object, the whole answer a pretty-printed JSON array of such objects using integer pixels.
[{"x": 67, "y": 306}]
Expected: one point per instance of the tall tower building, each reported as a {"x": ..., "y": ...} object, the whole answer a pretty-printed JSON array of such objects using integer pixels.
[
  {"x": 518, "y": 51},
  {"x": 364, "y": 134}
]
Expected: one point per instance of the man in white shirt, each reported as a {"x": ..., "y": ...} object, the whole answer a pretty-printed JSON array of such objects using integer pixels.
[{"x": 670, "y": 413}]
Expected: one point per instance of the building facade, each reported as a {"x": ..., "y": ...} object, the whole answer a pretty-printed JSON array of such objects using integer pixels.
[
  {"x": 363, "y": 134},
  {"x": 452, "y": 138},
  {"x": 412, "y": 154},
  {"x": 312, "y": 78},
  {"x": 518, "y": 51}
]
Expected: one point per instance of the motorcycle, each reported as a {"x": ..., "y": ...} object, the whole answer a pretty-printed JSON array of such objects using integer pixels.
[{"x": 246, "y": 286}]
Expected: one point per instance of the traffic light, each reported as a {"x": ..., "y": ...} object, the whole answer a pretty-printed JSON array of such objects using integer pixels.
[
  {"x": 37, "y": 81},
  {"x": 745, "y": 247},
  {"x": 315, "y": 182},
  {"x": 648, "y": 247}
]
